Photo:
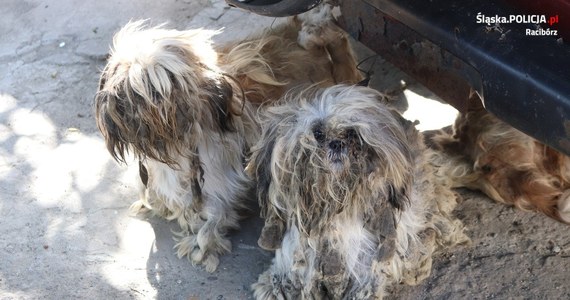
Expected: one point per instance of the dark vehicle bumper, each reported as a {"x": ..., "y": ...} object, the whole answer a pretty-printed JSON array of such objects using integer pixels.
[{"x": 523, "y": 79}]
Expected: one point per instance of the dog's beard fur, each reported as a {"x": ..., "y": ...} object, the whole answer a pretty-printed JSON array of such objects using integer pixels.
[
  {"x": 506, "y": 164},
  {"x": 186, "y": 110},
  {"x": 350, "y": 199}
]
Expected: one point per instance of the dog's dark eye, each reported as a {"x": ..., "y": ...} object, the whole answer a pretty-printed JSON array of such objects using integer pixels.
[
  {"x": 319, "y": 135},
  {"x": 351, "y": 134}
]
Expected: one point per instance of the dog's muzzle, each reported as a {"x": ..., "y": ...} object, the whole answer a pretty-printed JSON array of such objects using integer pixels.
[{"x": 337, "y": 149}]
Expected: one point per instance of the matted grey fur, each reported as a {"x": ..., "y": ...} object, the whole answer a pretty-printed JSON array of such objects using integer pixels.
[{"x": 351, "y": 198}]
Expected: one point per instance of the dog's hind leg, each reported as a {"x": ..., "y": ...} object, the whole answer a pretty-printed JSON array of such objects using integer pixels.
[
  {"x": 344, "y": 62},
  {"x": 206, "y": 246},
  {"x": 319, "y": 31},
  {"x": 223, "y": 194}
]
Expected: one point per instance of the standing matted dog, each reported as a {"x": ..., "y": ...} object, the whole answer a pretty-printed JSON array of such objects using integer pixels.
[
  {"x": 351, "y": 197},
  {"x": 186, "y": 109}
]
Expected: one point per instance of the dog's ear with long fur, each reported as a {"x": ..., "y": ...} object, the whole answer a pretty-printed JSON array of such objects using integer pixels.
[
  {"x": 259, "y": 168},
  {"x": 224, "y": 107},
  {"x": 398, "y": 195},
  {"x": 108, "y": 117}
]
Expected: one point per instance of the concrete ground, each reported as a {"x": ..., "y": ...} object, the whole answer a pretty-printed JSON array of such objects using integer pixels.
[{"x": 65, "y": 231}]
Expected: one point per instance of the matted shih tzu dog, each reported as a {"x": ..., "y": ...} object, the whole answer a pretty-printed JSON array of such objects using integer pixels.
[
  {"x": 507, "y": 165},
  {"x": 186, "y": 109},
  {"x": 351, "y": 198}
]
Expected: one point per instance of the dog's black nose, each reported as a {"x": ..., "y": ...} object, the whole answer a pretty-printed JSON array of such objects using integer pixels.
[{"x": 335, "y": 145}]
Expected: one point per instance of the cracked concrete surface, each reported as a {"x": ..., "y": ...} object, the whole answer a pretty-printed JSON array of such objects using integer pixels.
[{"x": 65, "y": 231}]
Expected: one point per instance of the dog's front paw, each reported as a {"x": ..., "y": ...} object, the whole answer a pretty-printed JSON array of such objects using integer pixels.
[
  {"x": 311, "y": 37},
  {"x": 272, "y": 233},
  {"x": 263, "y": 289},
  {"x": 139, "y": 208},
  {"x": 564, "y": 206},
  {"x": 270, "y": 238},
  {"x": 420, "y": 267},
  {"x": 317, "y": 28},
  {"x": 271, "y": 286},
  {"x": 203, "y": 249}
]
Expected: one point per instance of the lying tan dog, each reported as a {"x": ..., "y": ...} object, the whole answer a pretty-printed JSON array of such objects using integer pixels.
[{"x": 507, "y": 165}]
